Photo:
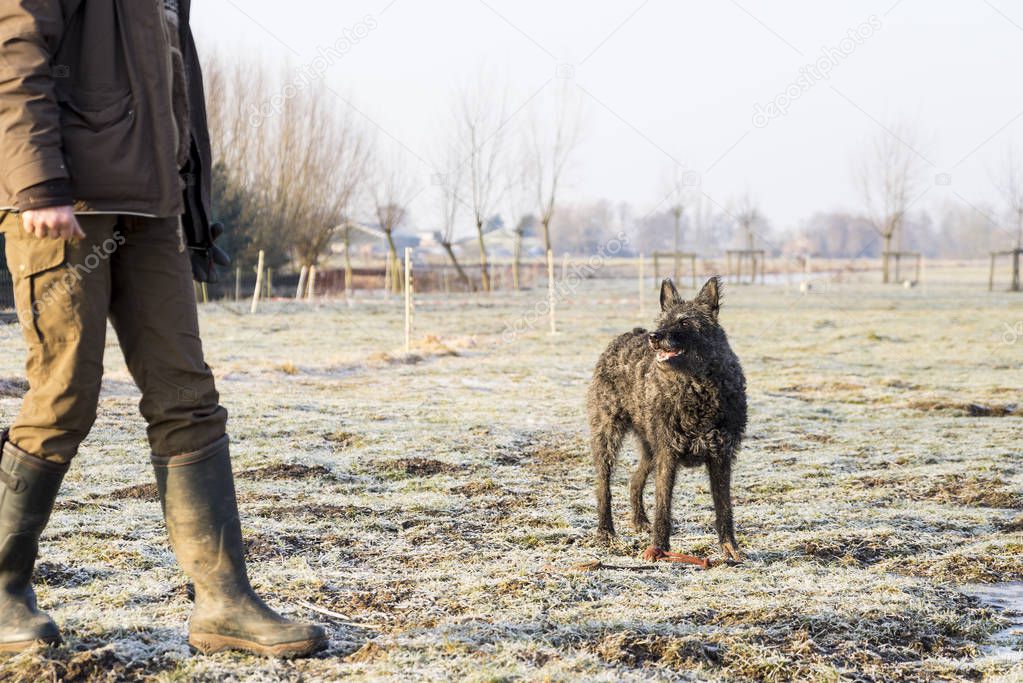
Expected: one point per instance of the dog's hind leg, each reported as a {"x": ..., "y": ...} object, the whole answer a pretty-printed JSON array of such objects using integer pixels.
[
  {"x": 719, "y": 467},
  {"x": 637, "y": 484},
  {"x": 608, "y": 431}
]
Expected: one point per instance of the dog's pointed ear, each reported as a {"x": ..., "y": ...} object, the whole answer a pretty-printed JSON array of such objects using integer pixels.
[
  {"x": 669, "y": 295},
  {"x": 710, "y": 296}
]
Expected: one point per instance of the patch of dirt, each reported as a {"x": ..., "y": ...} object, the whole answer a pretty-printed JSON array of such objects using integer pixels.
[
  {"x": 369, "y": 652},
  {"x": 1011, "y": 525},
  {"x": 383, "y": 358},
  {"x": 289, "y": 470},
  {"x": 383, "y": 602},
  {"x": 318, "y": 510},
  {"x": 432, "y": 345},
  {"x": 988, "y": 492},
  {"x": 477, "y": 488},
  {"x": 260, "y": 547},
  {"x": 963, "y": 409},
  {"x": 418, "y": 467},
  {"x": 549, "y": 451},
  {"x": 98, "y": 663},
  {"x": 952, "y": 489},
  {"x": 857, "y": 551},
  {"x": 135, "y": 492},
  {"x": 999, "y": 564},
  {"x": 639, "y": 649},
  {"x": 342, "y": 439},
  {"x": 60, "y": 575},
  {"x": 824, "y": 386},
  {"x": 881, "y": 643}
]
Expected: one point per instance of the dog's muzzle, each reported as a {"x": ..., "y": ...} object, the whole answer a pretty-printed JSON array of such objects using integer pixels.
[{"x": 656, "y": 341}]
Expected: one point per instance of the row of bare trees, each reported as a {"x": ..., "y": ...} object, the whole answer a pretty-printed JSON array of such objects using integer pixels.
[
  {"x": 891, "y": 179},
  {"x": 488, "y": 163},
  {"x": 297, "y": 168},
  {"x": 294, "y": 162}
]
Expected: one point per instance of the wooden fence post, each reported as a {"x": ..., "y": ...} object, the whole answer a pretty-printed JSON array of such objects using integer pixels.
[
  {"x": 238, "y": 284},
  {"x": 408, "y": 300},
  {"x": 259, "y": 282},
  {"x": 551, "y": 290},
  {"x": 269, "y": 283},
  {"x": 642, "y": 288},
  {"x": 311, "y": 292},
  {"x": 303, "y": 275}
]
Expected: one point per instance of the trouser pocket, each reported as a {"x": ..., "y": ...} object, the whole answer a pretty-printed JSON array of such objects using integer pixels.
[{"x": 45, "y": 291}]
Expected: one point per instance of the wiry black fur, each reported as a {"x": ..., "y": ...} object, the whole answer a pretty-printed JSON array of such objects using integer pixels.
[{"x": 688, "y": 410}]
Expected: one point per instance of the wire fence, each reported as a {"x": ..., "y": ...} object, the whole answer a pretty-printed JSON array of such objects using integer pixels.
[{"x": 435, "y": 276}]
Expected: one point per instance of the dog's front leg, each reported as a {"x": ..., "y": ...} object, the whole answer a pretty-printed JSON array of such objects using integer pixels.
[
  {"x": 719, "y": 467},
  {"x": 665, "y": 485}
]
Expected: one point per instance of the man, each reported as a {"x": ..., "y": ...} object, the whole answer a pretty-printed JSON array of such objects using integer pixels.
[{"x": 104, "y": 185}]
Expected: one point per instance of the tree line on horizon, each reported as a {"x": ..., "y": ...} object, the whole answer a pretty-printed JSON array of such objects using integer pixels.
[{"x": 297, "y": 167}]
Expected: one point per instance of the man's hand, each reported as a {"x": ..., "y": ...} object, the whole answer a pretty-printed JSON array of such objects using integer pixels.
[{"x": 55, "y": 222}]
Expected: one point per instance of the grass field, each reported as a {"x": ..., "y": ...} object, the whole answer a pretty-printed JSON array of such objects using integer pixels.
[{"x": 429, "y": 508}]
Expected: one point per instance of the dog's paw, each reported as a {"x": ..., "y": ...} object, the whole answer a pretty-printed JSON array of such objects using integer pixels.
[
  {"x": 605, "y": 536},
  {"x": 730, "y": 550},
  {"x": 653, "y": 554},
  {"x": 641, "y": 526}
]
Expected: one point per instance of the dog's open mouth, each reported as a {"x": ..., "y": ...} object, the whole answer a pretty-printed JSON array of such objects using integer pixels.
[{"x": 663, "y": 355}]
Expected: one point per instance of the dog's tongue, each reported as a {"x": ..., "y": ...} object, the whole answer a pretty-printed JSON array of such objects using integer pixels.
[{"x": 665, "y": 355}]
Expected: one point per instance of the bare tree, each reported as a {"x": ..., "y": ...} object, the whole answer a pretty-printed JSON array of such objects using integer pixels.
[
  {"x": 480, "y": 121},
  {"x": 678, "y": 188},
  {"x": 747, "y": 215},
  {"x": 1010, "y": 184},
  {"x": 451, "y": 205},
  {"x": 392, "y": 191},
  {"x": 888, "y": 175},
  {"x": 301, "y": 157},
  {"x": 552, "y": 148},
  {"x": 324, "y": 154}
]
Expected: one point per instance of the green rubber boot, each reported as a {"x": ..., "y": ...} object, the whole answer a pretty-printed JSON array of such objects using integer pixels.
[
  {"x": 197, "y": 494},
  {"x": 28, "y": 489}
]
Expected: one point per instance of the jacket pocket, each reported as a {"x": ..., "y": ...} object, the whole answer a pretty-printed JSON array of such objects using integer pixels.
[
  {"x": 99, "y": 146},
  {"x": 45, "y": 292}
]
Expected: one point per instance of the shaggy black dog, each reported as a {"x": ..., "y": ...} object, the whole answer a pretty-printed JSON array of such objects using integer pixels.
[{"x": 681, "y": 391}]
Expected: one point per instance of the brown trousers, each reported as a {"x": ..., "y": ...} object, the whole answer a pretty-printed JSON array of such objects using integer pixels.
[{"x": 136, "y": 271}]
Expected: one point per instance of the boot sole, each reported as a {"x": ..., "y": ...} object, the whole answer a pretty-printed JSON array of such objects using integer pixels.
[
  {"x": 209, "y": 643},
  {"x": 22, "y": 645}
]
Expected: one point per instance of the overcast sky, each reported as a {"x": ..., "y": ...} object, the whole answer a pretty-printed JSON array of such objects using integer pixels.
[{"x": 666, "y": 82}]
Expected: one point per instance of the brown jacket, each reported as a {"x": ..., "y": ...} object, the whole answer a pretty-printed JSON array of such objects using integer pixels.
[{"x": 92, "y": 93}]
